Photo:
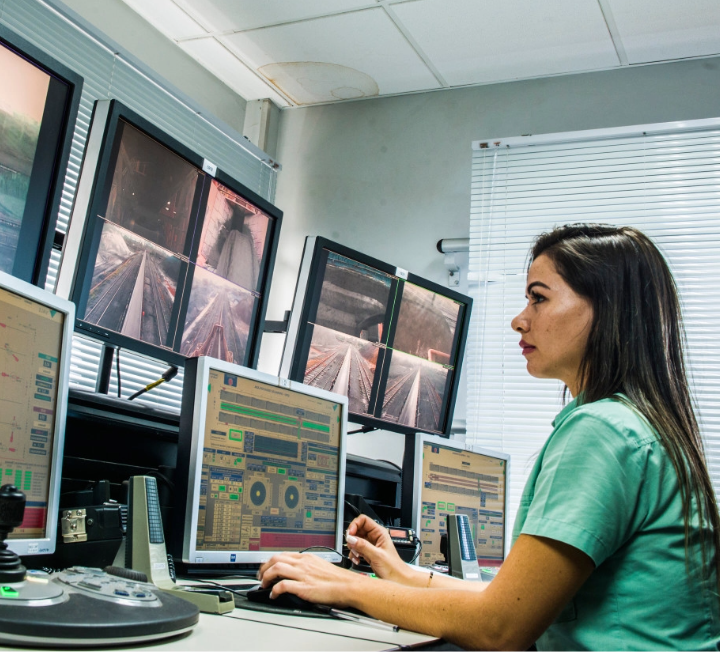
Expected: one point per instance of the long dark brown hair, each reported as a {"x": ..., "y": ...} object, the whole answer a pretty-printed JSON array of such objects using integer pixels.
[{"x": 635, "y": 348}]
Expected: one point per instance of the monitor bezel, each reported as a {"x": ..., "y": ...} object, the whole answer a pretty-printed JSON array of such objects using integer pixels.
[
  {"x": 95, "y": 181},
  {"x": 190, "y": 554},
  {"x": 306, "y": 297},
  {"x": 50, "y": 162},
  {"x": 46, "y": 545},
  {"x": 462, "y": 446}
]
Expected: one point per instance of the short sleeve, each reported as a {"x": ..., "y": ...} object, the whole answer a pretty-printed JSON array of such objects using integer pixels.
[{"x": 588, "y": 490}]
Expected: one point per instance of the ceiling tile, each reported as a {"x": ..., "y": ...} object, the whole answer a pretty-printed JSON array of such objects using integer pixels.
[
  {"x": 228, "y": 68},
  {"x": 232, "y": 15},
  {"x": 655, "y": 30},
  {"x": 473, "y": 42},
  {"x": 357, "y": 46},
  {"x": 167, "y": 17}
]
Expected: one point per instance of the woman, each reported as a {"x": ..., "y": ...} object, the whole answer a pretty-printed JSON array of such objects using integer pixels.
[{"x": 616, "y": 542}]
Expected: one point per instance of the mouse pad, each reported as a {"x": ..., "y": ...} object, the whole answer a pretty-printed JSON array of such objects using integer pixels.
[{"x": 241, "y": 601}]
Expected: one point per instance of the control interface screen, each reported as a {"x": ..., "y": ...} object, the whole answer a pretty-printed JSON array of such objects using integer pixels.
[
  {"x": 30, "y": 345},
  {"x": 465, "y": 483},
  {"x": 270, "y": 468}
]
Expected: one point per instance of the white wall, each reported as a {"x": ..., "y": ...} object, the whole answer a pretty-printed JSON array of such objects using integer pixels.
[
  {"x": 116, "y": 20},
  {"x": 391, "y": 176}
]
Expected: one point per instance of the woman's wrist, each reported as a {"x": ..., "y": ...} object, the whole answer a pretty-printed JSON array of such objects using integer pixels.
[{"x": 412, "y": 577}]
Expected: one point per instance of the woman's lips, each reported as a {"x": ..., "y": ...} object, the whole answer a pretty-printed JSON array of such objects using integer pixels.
[{"x": 526, "y": 348}]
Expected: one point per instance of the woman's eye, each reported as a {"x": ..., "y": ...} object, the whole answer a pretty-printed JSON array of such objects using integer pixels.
[{"x": 536, "y": 298}]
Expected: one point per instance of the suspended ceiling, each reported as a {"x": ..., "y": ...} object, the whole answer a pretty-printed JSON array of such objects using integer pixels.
[{"x": 305, "y": 52}]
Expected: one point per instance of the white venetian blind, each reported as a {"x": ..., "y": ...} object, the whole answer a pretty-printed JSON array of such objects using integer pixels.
[
  {"x": 108, "y": 73},
  {"x": 661, "y": 179}
]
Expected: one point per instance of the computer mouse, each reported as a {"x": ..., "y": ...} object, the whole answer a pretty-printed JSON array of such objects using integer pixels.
[{"x": 286, "y": 600}]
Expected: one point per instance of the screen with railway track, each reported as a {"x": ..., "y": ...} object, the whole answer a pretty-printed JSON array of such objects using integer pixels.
[
  {"x": 391, "y": 343},
  {"x": 462, "y": 482},
  {"x": 31, "y": 336},
  {"x": 270, "y": 468},
  {"x": 175, "y": 263}
]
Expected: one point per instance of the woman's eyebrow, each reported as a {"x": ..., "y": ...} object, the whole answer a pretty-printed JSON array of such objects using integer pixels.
[{"x": 537, "y": 283}]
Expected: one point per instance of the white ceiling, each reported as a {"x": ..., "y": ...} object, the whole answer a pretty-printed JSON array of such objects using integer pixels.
[{"x": 304, "y": 52}]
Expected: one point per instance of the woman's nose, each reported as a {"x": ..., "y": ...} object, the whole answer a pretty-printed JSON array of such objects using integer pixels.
[{"x": 519, "y": 323}]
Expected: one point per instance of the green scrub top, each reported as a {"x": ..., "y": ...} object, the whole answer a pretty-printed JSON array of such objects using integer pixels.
[{"x": 604, "y": 484}]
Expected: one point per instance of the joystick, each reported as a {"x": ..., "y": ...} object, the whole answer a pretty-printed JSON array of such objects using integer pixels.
[{"x": 12, "y": 509}]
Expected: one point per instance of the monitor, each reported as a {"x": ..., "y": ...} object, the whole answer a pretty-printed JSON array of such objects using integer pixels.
[
  {"x": 174, "y": 262},
  {"x": 263, "y": 459},
  {"x": 391, "y": 341},
  {"x": 467, "y": 480},
  {"x": 38, "y": 106},
  {"x": 35, "y": 339}
]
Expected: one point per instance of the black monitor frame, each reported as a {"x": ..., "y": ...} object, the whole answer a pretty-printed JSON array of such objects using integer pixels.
[
  {"x": 305, "y": 306},
  {"x": 98, "y": 199},
  {"x": 37, "y": 230}
]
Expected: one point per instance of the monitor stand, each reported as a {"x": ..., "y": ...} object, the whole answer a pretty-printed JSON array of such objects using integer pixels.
[{"x": 78, "y": 607}]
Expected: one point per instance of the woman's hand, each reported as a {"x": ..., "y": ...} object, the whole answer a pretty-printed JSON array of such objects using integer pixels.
[
  {"x": 310, "y": 578},
  {"x": 368, "y": 539}
]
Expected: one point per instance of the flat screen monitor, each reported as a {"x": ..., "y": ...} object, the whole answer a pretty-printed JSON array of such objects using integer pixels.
[
  {"x": 264, "y": 462},
  {"x": 454, "y": 478},
  {"x": 39, "y": 99},
  {"x": 391, "y": 341},
  {"x": 174, "y": 263},
  {"x": 35, "y": 342}
]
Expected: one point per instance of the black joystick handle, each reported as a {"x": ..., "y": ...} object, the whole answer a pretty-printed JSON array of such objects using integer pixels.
[{"x": 12, "y": 509}]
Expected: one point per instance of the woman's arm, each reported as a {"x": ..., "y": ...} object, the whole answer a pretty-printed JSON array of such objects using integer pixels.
[
  {"x": 369, "y": 540},
  {"x": 539, "y": 577}
]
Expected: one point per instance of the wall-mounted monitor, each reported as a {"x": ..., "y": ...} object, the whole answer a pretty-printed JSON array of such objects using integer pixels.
[
  {"x": 261, "y": 465},
  {"x": 391, "y": 341},
  {"x": 174, "y": 262},
  {"x": 39, "y": 99},
  {"x": 451, "y": 477}
]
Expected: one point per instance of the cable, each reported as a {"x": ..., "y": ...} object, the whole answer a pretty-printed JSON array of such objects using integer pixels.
[
  {"x": 117, "y": 367},
  {"x": 364, "y": 429},
  {"x": 326, "y": 549},
  {"x": 418, "y": 549},
  {"x": 167, "y": 375}
]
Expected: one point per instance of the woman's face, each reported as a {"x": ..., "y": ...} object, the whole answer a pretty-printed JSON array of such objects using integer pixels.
[{"x": 554, "y": 326}]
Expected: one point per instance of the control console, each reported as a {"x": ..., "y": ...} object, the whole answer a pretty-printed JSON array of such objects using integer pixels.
[{"x": 80, "y": 606}]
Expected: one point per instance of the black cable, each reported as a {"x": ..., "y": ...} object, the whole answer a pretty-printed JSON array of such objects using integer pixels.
[
  {"x": 418, "y": 549},
  {"x": 364, "y": 429},
  {"x": 117, "y": 367},
  {"x": 326, "y": 549}
]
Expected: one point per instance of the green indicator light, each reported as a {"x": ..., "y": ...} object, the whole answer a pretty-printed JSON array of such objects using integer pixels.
[
  {"x": 282, "y": 471},
  {"x": 292, "y": 478},
  {"x": 235, "y": 435},
  {"x": 318, "y": 427},
  {"x": 209, "y": 387},
  {"x": 230, "y": 407},
  {"x": 221, "y": 488},
  {"x": 7, "y": 591},
  {"x": 309, "y": 514},
  {"x": 238, "y": 461},
  {"x": 8, "y": 472},
  {"x": 482, "y": 527},
  {"x": 239, "y": 489},
  {"x": 234, "y": 497}
]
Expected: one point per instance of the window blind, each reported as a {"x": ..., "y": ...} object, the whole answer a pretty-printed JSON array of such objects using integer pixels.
[
  {"x": 661, "y": 179},
  {"x": 111, "y": 74}
]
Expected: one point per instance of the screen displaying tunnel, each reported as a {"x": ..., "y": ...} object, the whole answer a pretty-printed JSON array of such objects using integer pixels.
[
  {"x": 177, "y": 263},
  {"x": 392, "y": 344}
]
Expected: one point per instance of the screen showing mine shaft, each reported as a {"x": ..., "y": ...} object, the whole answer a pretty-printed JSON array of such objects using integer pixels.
[
  {"x": 30, "y": 345},
  {"x": 270, "y": 467},
  {"x": 465, "y": 483}
]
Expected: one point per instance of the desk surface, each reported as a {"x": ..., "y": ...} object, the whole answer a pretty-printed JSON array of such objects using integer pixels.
[{"x": 245, "y": 630}]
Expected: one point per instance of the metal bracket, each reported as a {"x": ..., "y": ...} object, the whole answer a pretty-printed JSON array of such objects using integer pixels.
[
  {"x": 72, "y": 525},
  {"x": 277, "y": 326}
]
